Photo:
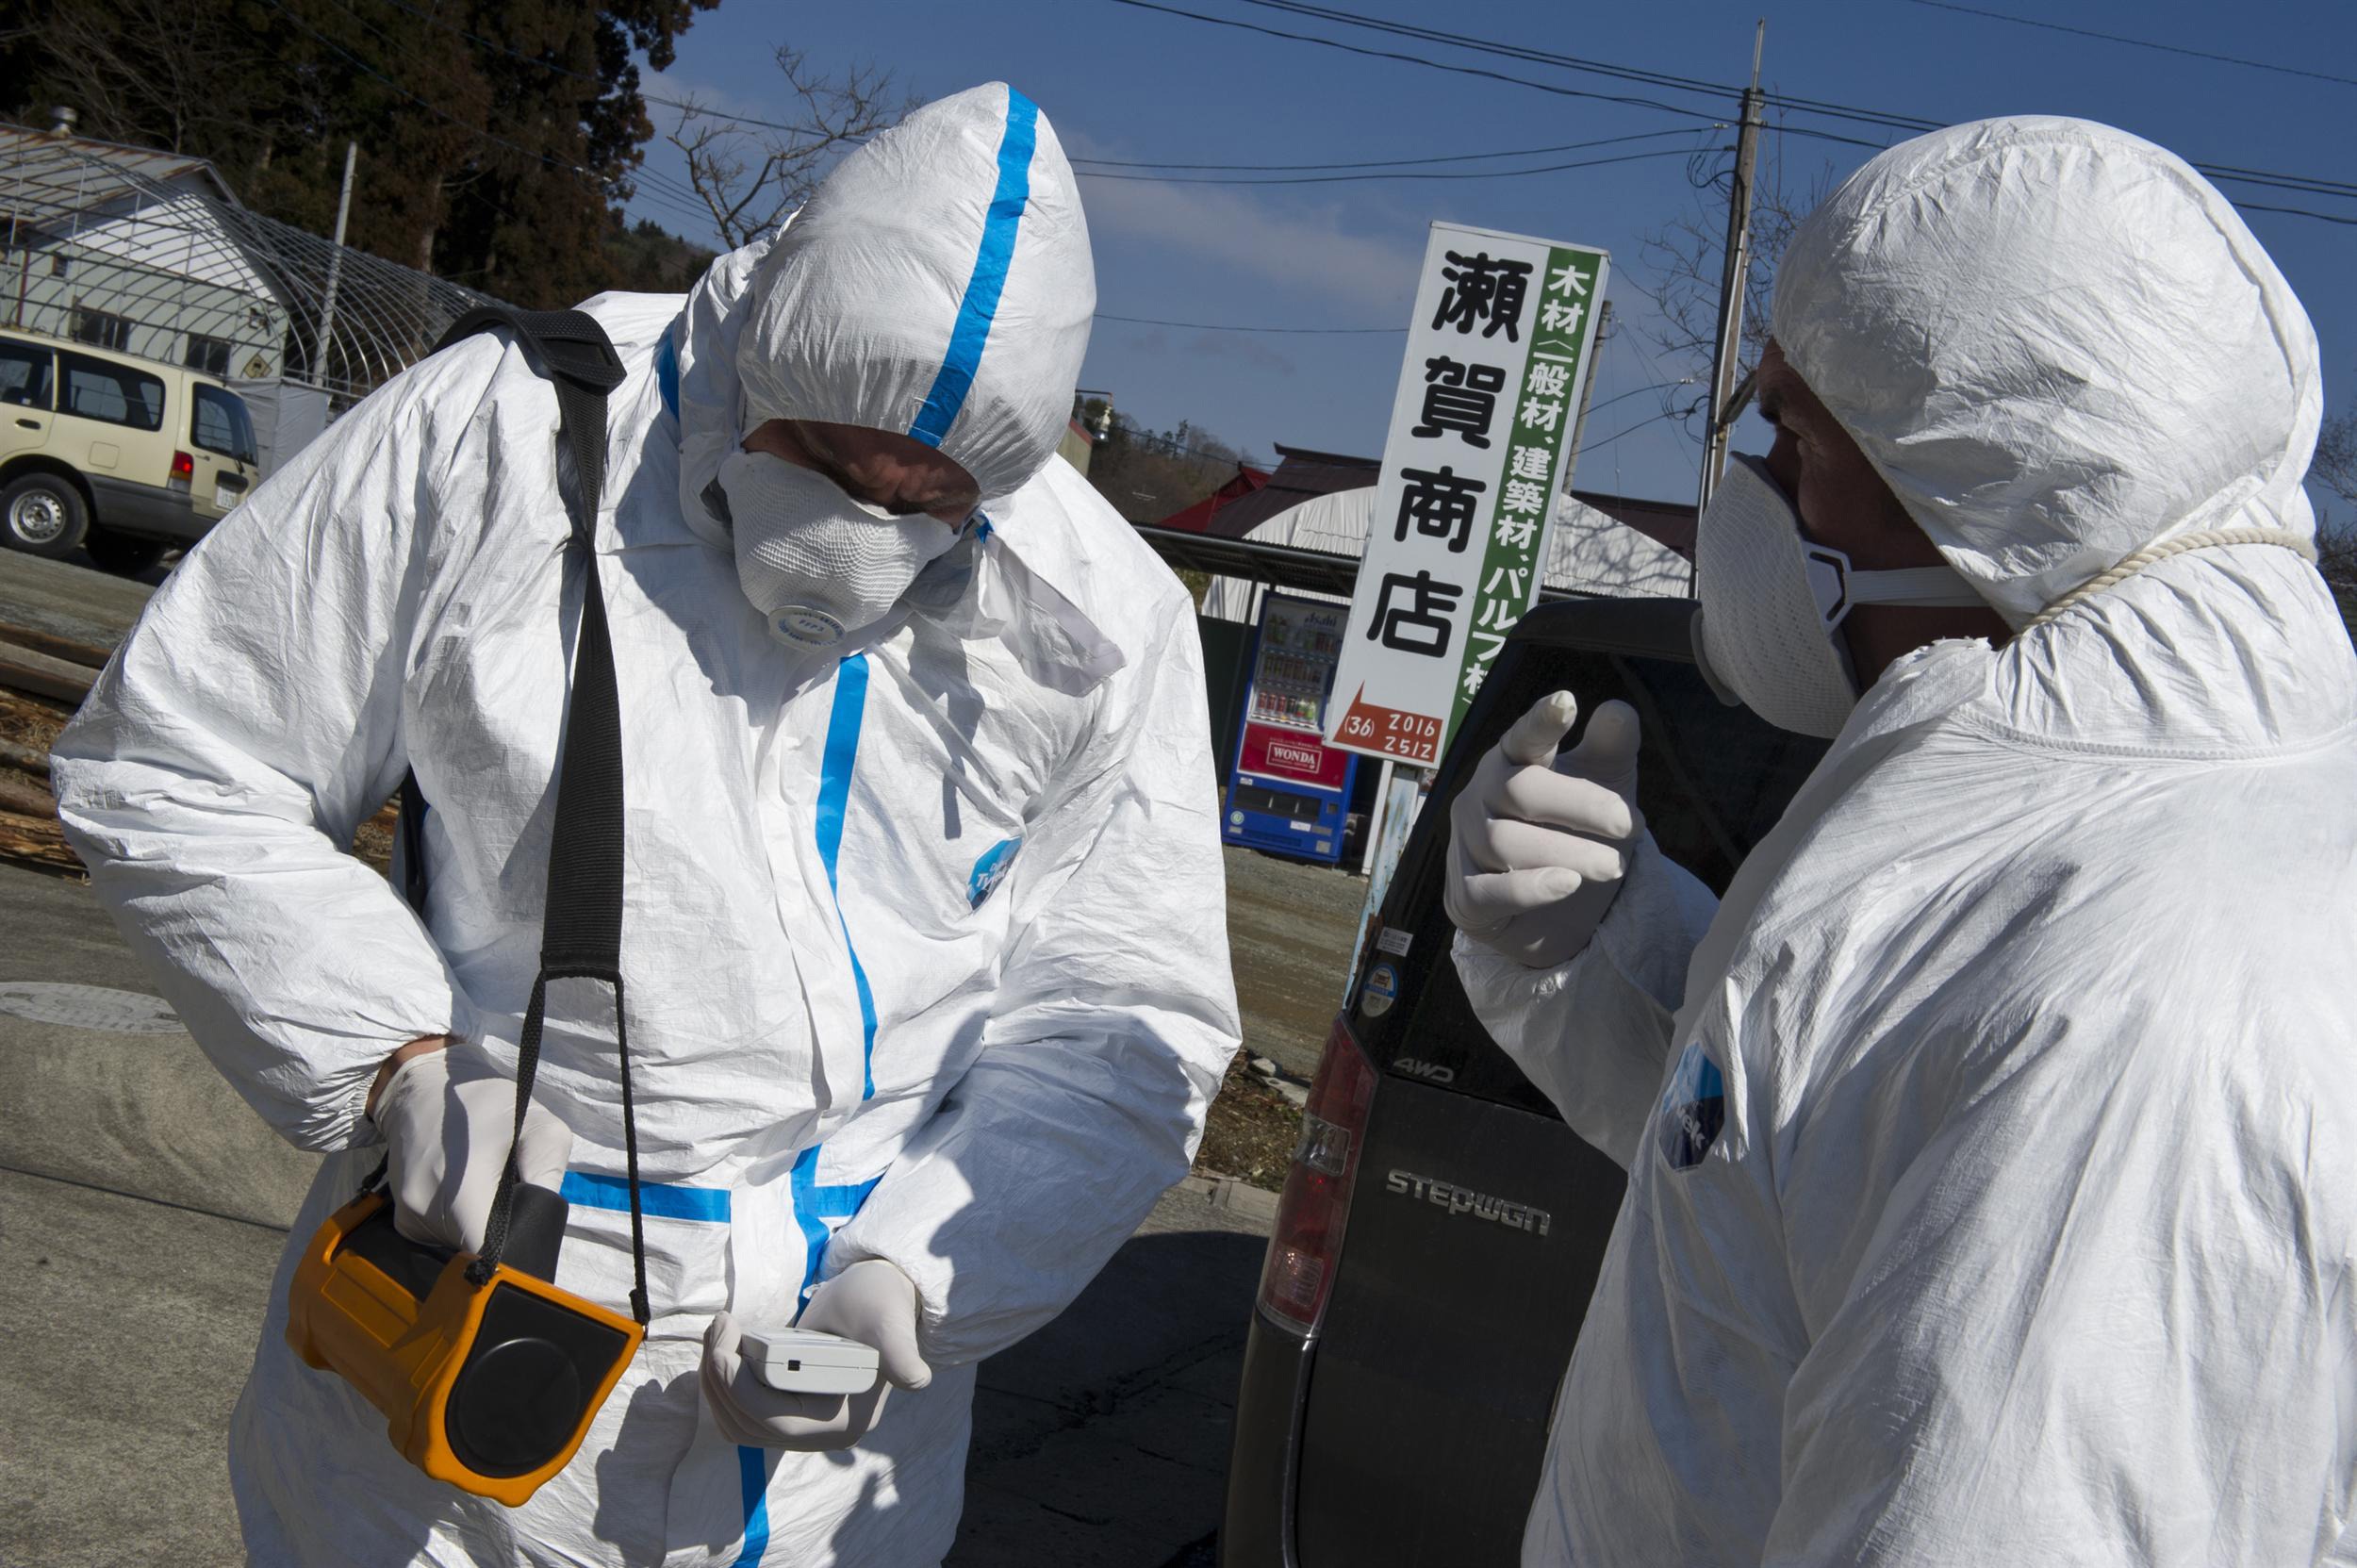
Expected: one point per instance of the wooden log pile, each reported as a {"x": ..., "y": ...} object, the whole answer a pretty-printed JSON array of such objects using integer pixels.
[{"x": 43, "y": 679}]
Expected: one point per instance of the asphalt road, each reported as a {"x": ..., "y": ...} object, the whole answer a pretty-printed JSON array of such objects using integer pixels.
[
  {"x": 141, "y": 1214},
  {"x": 67, "y": 599}
]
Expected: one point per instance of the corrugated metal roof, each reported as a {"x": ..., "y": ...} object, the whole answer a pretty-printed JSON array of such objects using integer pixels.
[
  {"x": 1588, "y": 552},
  {"x": 1304, "y": 475},
  {"x": 77, "y": 171},
  {"x": 339, "y": 319}
]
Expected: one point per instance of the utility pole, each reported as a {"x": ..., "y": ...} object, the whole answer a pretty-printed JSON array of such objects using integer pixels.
[
  {"x": 1727, "y": 351},
  {"x": 335, "y": 270}
]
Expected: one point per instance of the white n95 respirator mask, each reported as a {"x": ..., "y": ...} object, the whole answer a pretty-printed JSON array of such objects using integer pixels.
[
  {"x": 817, "y": 563},
  {"x": 1767, "y": 635}
]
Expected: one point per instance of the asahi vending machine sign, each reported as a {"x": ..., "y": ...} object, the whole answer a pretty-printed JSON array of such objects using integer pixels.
[{"x": 1480, "y": 431}]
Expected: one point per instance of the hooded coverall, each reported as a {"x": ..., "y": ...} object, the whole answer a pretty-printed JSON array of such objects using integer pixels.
[
  {"x": 923, "y": 941},
  {"x": 1993, "y": 1168}
]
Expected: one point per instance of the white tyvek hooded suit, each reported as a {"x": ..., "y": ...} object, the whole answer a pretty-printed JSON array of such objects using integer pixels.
[
  {"x": 924, "y": 943},
  {"x": 2027, "y": 1236}
]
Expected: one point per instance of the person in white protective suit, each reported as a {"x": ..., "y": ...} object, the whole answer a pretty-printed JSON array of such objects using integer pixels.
[
  {"x": 1992, "y": 1167},
  {"x": 924, "y": 933}
]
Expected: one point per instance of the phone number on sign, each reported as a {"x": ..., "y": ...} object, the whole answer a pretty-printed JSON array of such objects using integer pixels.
[{"x": 1413, "y": 736}]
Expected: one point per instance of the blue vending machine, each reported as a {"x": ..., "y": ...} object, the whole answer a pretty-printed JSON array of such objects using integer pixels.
[{"x": 1289, "y": 791}]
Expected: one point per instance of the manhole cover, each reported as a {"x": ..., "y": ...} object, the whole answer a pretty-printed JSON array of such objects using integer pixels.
[{"x": 87, "y": 1007}]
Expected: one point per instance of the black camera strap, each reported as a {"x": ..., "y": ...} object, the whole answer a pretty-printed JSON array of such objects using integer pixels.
[{"x": 580, "y": 934}]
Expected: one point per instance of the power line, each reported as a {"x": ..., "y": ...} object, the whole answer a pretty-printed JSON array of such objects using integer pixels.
[
  {"x": 1573, "y": 62},
  {"x": 1640, "y": 391},
  {"x": 1086, "y": 168},
  {"x": 1513, "y": 51},
  {"x": 2297, "y": 212},
  {"x": 2140, "y": 43},
  {"x": 2297, "y": 183},
  {"x": 1882, "y": 118},
  {"x": 686, "y": 201},
  {"x": 1556, "y": 89},
  {"x": 1407, "y": 175},
  {"x": 1222, "y": 326},
  {"x": 1630, "y": 430},
  {"x": 1384, "y": 162},
  {"x": 2257, "y": 176}
]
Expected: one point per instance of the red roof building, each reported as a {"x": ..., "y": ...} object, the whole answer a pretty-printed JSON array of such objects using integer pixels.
[{"x": 1197, "y": 519}]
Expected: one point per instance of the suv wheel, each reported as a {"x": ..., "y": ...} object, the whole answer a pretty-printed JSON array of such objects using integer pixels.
[
  {"x": 43, "y": 514},
  {"x": 120, "y": 554}
]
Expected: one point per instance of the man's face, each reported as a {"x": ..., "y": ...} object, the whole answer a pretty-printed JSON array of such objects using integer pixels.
[
  {"x": 1844, "y": 502},
  {"x": 898, "y": 473},
  {"x": 1841, "y": 500}
]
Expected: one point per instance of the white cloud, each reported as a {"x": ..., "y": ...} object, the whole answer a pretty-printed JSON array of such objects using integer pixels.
[{"x": 1277, "y": 237}]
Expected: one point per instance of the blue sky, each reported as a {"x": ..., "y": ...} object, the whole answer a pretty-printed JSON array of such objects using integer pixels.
[{"x": 1123, "y": 83}]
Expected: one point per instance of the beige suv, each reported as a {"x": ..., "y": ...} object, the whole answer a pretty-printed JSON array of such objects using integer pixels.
[{"x": 121, "y": 456}]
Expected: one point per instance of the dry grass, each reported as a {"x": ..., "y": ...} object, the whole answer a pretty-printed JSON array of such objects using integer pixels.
[{"x": 1252, "y": 1130}]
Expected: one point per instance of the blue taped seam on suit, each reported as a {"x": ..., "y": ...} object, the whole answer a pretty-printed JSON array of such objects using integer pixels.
[
  {"x": 667, "y": 376},
  {"x": 752, "y": 1472},
  {"x": 980, "y": 305},
  {"x": 813, "y": 1205},
  {"x": 843, "y": 1201},
  {"x": 657, "y": 1200},
  {"x": 804, "y": 1187},
  {"x": 835, "y": 790}
]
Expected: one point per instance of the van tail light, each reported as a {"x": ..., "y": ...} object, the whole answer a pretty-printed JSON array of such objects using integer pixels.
[
  {"x": 1308, "y": 1244},
  {"x": 183, "y": 470}
]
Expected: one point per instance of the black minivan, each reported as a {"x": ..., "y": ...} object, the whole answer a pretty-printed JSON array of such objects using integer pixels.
[{"x": 1442, "y": 1229}]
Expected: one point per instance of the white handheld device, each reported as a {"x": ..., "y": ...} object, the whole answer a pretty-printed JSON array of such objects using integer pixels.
[{"x": 801, "y": 1360}]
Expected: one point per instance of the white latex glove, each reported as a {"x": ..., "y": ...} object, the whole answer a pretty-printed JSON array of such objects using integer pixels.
[
  {"x": 447, "y": 1115},
  {"x": 871, "y": 1302},
  {"x": 1537, "y": 844}
]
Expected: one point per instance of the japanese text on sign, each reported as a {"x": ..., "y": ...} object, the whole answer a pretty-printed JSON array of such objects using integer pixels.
[{"x": 1479, "y": 446}]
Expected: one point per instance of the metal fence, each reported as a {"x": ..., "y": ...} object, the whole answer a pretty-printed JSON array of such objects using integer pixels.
[{"x": 148, "y": 252}]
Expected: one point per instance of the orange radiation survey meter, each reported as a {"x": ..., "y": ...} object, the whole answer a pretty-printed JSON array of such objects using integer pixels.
[{"x": 489, "y": 1386}]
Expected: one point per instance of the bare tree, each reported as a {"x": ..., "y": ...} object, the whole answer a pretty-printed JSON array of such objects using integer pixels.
[
  {"x": 750, "y": 178},
  {"x": 2334, "y": 465},
  {"x": 1687, "y": 257},
  {"x": 146, "y": 71},
  {"x": 2334, "y": 470}
]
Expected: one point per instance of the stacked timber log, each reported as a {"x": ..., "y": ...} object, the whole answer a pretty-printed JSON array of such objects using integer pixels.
[{"x": 43, "y": 679}]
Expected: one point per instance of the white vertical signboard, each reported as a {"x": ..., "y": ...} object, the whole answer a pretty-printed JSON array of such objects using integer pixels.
[{"x": 1489, "y": 392}]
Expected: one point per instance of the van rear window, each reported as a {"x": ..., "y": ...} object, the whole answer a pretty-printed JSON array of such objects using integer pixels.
[
  {"x": 114, "y": 393},
  {"x": 23, "y": 376},
  {"x": 220, "y": 422}
]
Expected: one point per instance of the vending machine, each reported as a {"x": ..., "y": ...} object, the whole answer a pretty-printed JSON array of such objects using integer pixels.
[{"x": 1288, "y": 791}]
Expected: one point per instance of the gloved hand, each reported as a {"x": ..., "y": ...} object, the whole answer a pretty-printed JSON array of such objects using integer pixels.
[
  {"x": 871, "y": 1302},
  {"x": 1536, "y": 845},
  {"x": 447, "y": 1117}
]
